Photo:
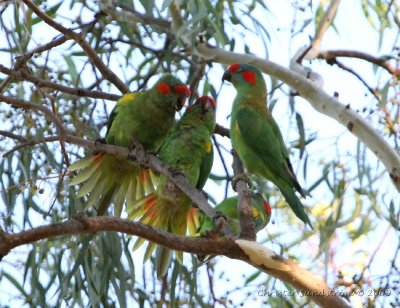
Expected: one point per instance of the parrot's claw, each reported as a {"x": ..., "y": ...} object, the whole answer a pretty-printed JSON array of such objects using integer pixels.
[
  {"x": 219, "y": 220},
  {"x": 100, "y": 140},
  {"x": 137, "y": 152},
  {"x": 175, "y": 173},
  {"x": 81, "y": 217},
  {"x": 241, "y": 177}
]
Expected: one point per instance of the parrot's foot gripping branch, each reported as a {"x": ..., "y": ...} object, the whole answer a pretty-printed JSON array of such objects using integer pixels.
[
  {"x": 241, "y": 177},
  {"x": 137, "y": 152}
]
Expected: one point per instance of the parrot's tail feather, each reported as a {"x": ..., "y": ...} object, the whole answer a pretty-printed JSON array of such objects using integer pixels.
[
  {"x": 94, "y": 196},
  {"x": 119, "y": 198},
  {"x": 146, "y": 181},
  {"x": 295, "y": 204},
  {"x": 131, "y": 193},
  {"x": 82, "y": 163},
  {"x": 142, "y": 207},
  {"x": 193, "y": 223},
  {"x": 179, "y": 256},
  {"x": 89, "y": 185},
  {"x": 163, "y": 260},
  {"x": 109, "y": 179},
  {"x": 149, "y": 251},
  {"x": 85, "y": 174}
]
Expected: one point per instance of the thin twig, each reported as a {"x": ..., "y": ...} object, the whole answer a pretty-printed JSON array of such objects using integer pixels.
[
  {"x": 329, "y": 55},
  {"x": 19, "y": 103},
  {"x": 52, "y": 85},
  {"x": 358, "y": 76},
  {"x": 29, "y": 143},
  {"x": 79, "y": 38},
  {"x": 12, "y": 136}
]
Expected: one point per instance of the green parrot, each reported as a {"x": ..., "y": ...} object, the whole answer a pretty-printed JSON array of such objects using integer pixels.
[
  {"x": 228, "y": 207},
  {"x": 146, "y": 116},
  {"x": 188, "y": 150},
  {"x": 256, "y": 136}
]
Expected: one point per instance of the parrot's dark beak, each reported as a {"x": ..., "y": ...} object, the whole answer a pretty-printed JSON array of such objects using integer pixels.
[
  {"x": 180, "y": 102},
  {"x": 227, "y": 76}
]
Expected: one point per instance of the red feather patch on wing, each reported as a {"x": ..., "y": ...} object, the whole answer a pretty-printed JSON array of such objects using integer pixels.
[
  {"x": 182, "y": 89},
  {"x": 163, "y": 88},
  {"x": 233, "y": 68},
  {"x": 250, "y": 77},
  {"x": 267, "y": 207}
]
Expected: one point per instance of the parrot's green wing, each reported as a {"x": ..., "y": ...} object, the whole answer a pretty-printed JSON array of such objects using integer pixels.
[
  {"x": 266, "y": 141},
  {"x": 206, "y": 165}
]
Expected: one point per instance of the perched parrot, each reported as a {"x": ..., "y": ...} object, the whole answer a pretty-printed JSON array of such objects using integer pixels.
[
  {"x": 256, "y": 136},
  {"x": 188, "y": 150},
  {"x": 229, "y": 208},
  {"x": 146, "y": 116}
]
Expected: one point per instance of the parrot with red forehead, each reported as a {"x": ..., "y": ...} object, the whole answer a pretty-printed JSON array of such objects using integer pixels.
[
  {"x": 188, "y": 150},
  {"x": 147, "y": 117},
  {"x": 228, "y": 207},
  {"x": 256, "y": 136}
]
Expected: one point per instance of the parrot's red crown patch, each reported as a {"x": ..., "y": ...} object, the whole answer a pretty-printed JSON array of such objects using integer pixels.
[
  {"x": 163, "y": 88},
  {"x": 250, "y": 77},
  {"x": 206, "y": 98},
  {"x": 233, "y": 68},
  {"x": 267, "y": 207},
  {"x": 182, "y": 89}
]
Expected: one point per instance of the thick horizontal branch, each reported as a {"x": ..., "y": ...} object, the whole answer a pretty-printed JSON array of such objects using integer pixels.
[
  {"x": 248, "y": 251},
  {"x": 330, "y": 55}
]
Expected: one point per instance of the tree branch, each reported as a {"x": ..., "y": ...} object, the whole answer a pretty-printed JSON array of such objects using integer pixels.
[
  {"x": 79, "y": 39},
  {"x": 322, "y": 27},
  {"x": 251, "y": 252},
  {"x": 247, "y": 224},
  {"x": 28, "y": 143},
  {"x": 41, "y": 83},
  {"x": 330, "y": 55},
  {"x": 248, "y": 251},
  {"x": 19, "y": 103}
]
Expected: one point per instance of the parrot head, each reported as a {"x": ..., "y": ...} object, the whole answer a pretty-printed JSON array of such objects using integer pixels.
[
  {"x": 169, "y": 85},
  {"x": 204, "y": 110},
  {"x": 244, "y": 75},
  {"x": 203, "y": 105}
]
